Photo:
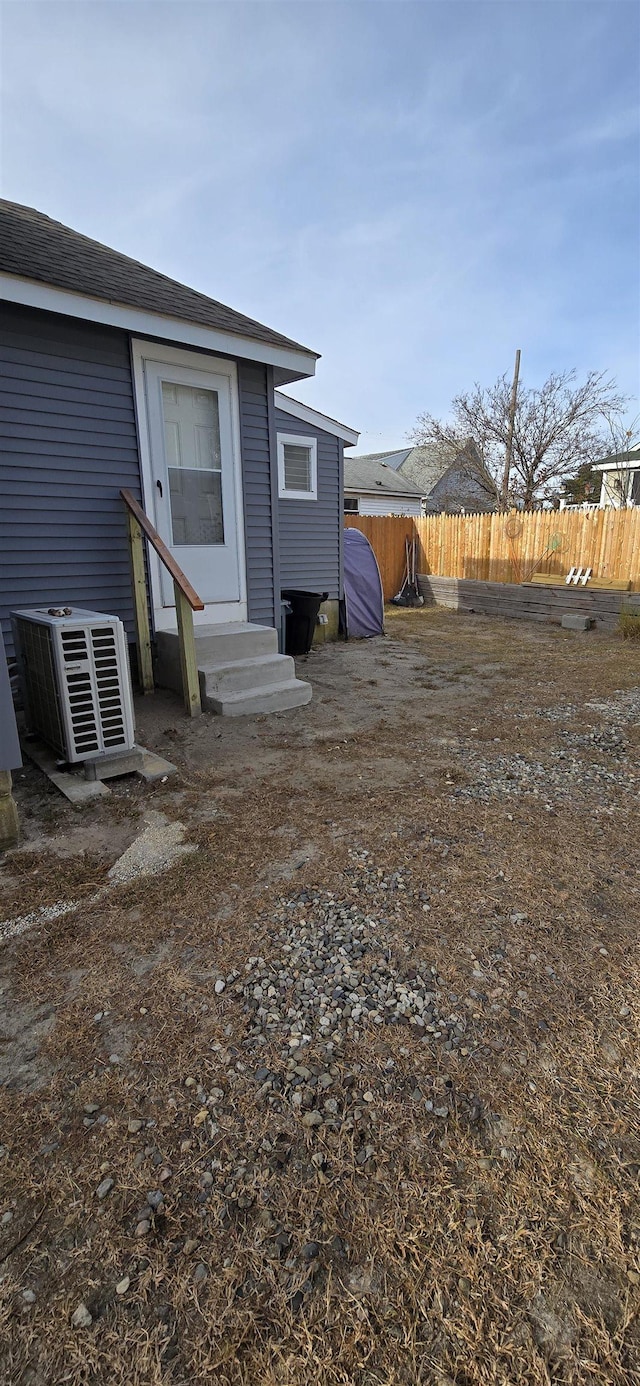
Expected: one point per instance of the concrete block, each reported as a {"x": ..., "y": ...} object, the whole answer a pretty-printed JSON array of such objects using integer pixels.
[
  {"x": 112, "y": 764},
  {"x": 137, "y": 761},
  {"x": 9, "y": 825},
  {"x": 154, "y": 767},
  {"x": 573, "y": 621}
]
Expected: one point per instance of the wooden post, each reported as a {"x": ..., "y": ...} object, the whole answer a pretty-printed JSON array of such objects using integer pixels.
[
  {"x": 9, "y": 826},
  {"x": 143, "y": 634},
  {"x": 512, "y": 420},
  {"x": 188, "y": 661}
]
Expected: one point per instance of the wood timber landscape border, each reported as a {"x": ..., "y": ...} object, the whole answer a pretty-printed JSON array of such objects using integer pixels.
[
  {"x": 485, "y": 548},
  {"x": 528, "y": 603}
]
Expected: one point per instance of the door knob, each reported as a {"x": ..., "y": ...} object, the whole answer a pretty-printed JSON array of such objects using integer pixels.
[{"x": 159, "y": 486}]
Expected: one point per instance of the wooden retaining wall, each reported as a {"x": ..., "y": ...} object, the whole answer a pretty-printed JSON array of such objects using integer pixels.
[
  {"x": 485, "y": 547},
  {"x": 526, "y": 603}
]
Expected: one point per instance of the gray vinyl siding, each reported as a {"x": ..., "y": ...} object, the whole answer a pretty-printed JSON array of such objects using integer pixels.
[
  {"x": 255, "y": 386},
  {"x": 310, "y": 531},
  {"x": 68, "y": 443}
]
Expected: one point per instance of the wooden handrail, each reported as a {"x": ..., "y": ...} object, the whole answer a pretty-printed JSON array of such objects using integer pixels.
[
  {"x": 186, "y": 598},
  {"x": 162, "y": 551}
]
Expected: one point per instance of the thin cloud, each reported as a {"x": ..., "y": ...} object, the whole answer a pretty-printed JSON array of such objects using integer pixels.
[{"x": 413, "y": 190}]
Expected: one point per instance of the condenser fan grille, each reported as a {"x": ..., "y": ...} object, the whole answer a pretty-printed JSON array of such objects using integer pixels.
[
  {"x": 77, "y": 675},
  {"x": 105, "y": 659}
]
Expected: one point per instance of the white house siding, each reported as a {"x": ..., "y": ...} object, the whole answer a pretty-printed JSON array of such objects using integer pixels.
[
  {"x": 620, "y": 487},
  {"x": 388, "y": 505}
]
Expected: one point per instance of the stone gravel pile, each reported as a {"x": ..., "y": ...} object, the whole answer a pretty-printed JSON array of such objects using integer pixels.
[
  {"x": 554, "y": 781},
  {"x": 622, "y": 707},
  {"x": 334, "y": 976},
  {"x": 605, "y": 740},
  {"x": 578, "y": 764}
]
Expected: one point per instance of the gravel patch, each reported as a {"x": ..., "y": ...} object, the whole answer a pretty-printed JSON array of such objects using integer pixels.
[
  {"x": 555, "y": 780},
  {"x": 598, "y": 761},
  {"x": 622, "y": 707},
  {"x": 336, "y": 977}
]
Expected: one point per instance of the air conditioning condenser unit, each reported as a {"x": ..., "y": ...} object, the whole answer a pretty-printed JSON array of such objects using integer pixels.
[{"x": 74, "y": 669}]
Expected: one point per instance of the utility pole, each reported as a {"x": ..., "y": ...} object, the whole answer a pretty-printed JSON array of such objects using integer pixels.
[{"x": 512, "y": 420}]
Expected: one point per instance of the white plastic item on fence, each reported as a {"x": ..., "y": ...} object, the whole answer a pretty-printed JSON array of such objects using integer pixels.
[{"x": 578, "y": 575}]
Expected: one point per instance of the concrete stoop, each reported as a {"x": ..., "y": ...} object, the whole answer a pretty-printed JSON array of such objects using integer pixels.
[{"x": 240, "y": 669}]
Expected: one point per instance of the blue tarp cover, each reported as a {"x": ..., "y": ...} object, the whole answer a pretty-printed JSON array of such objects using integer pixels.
[{"x": 364, "y": 603}]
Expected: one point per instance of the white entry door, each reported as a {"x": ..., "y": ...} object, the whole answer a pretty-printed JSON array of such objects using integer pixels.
[{"x": 194, "y": 478}]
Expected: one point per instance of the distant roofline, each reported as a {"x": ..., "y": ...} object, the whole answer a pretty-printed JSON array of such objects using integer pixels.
[
  {"x": 380, "y": 491},
  {"x": 379, "y": 456},
  {"x": 621, "y": 461},
  {"x": 314, "y": 417}
]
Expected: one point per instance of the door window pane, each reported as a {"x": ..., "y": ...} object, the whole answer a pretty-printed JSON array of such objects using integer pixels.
[
  {"x": 194, "y": 462},
  {"x": 196, "y": 506}
]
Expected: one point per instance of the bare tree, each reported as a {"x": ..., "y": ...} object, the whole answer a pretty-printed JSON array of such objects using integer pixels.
[{"x": 556, "y": 429}]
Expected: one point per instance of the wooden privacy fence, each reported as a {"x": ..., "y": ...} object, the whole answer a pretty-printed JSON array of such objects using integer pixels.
[{"x": 507, "y": 548}]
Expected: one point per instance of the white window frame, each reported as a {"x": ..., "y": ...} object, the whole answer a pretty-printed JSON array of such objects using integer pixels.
[{"x": 298, "y": 440}]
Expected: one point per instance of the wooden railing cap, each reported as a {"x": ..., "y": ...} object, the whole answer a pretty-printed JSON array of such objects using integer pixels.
[{"x": 164, "y": 554}]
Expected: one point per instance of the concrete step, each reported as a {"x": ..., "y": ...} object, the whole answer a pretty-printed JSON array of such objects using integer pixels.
[
  {"x": 236, "y": 640},
  {"x": 242, "y": 674},
  {"x": 239, "y": 666},
  {"x": 216, "y": 645},
  {"x": 278, "y": 697}
]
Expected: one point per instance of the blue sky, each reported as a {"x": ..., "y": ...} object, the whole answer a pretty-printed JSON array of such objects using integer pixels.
[{"x": 412, "y": 189}]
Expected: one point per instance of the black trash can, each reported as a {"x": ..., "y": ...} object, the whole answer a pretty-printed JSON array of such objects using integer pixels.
[{"x": 301, "y": 620}]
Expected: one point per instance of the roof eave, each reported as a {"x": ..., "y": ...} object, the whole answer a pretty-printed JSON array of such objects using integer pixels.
[
  {"x": 628, "y": 465},
  {"x": 290, "y": 363},
  {"x": 316, "y": 419}
]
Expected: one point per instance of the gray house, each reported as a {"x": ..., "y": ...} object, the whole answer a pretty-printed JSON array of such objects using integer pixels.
[
  {"x": 115, "y": 376},
  {"x": 450, "y": 481}
]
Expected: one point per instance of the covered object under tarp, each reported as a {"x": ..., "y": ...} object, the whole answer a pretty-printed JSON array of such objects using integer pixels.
[{"x": 363, "y": 599}]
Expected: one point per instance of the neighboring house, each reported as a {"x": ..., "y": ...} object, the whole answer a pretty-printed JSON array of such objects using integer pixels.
[
  {"x": 620, "y": 478},
  {"x": 452, "y": 482},
  {"x": 114, "y": 375},
  {"x": 373, "y": 488}
]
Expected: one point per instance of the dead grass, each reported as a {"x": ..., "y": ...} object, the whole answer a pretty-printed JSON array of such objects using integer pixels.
[
  {"x": 500, "y": 1245},
  {"x": 629, "y": 625}
]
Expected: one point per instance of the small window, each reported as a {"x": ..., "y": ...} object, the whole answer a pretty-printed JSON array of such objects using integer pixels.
[
  {"x": 297, "y": 467},
  {"x": 351, "y": 505}
]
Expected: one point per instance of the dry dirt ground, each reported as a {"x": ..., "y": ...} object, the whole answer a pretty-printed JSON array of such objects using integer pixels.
[{"x": 409, "y": 1151}]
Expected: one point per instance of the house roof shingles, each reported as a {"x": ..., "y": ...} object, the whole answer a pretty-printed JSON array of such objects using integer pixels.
[
  {"x": 35, "y": 247},
  {"x": 368, "y": 474},
  {"x": 390, "y": 459}
]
